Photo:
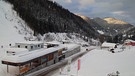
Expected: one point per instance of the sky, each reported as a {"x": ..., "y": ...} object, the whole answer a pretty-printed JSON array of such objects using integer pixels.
[{"x": 120, "y": 9}]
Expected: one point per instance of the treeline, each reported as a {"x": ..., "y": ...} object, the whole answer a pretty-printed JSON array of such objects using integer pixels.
[{"x": 47, "y": 16}]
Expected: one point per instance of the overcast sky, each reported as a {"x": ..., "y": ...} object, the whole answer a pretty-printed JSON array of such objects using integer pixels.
[{"x": 120, "y": 9}]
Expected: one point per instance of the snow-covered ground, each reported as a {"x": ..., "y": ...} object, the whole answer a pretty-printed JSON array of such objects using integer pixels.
[
  {"x": 101, "y": 62},
  {"x": 95, "y": 63},
  {"x": 12, "y": 27}
]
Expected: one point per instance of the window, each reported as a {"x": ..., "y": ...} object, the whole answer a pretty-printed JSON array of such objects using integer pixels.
[
  {"x": 26, "y": 47},
  {"x": 35, "y": 46},
  {"x": 18, "y": 46},
  {"x": 59, "y": 53},
  {"x": 31, "y": 47},
  {"x": 44, "y": 59},
  {"x": 41, "y": 46},
  {"x": 38, "y": 45},
  {"x": 51, "y": 57}
]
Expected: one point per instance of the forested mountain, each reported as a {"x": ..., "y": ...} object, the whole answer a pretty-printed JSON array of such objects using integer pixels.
[
  {"x": 111, "y": 29},
  {"x": 47, "y": 16},
  {"x": 95, "y": 25},
  {"x": 112, "y": 25},
  {"x": 129, "y": 34}
]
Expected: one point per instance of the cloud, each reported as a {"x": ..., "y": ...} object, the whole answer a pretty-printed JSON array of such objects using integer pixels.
[
  {"x": 69, "y": 1},
  {"x": 121, "y": 9},
  {"x": 85, "y": 3},
  {"x": 121, "y": 13}
]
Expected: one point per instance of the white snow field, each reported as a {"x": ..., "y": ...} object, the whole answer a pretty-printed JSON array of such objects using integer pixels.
[
  {"x": 102, "y": 63},
  {"x": 12, "y": 27}
]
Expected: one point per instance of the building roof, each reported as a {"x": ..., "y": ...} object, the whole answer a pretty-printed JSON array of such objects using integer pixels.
[
  {"x": 17, "y": 49},
  {"x": 30, "y": 42},
  {"x": 105, "y": 44},
  {"x": 70, "y": 46},
  {"x": 129, "y": 40},
  {"x": 27, "y": 56},
  {"x": 53, "y": 42}
]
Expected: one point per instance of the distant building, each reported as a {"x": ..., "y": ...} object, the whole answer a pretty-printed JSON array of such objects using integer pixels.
[
  {"x": 129, "y": 42},
  {"x": 108, "y": 45},
  {"x": 30, "y": 45}
]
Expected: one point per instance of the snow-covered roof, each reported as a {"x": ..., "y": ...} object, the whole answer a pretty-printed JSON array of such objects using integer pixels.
[
  {"x": 53, "y": 42},
  {"x": 30, "y": 42},
  {"x": 70, "y": 46},
  {"x": 101, "y": 32},
  {"x": 30, "y": 55},
  {"x": 129, "y": 40},
  {"x": 17, "y": 49},
  {"x": 106, "y": 44},
  {"x": 65, "y": 41}
]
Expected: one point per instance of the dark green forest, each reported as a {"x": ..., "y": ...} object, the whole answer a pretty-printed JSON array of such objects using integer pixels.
[{"x": 45, "y": 16}]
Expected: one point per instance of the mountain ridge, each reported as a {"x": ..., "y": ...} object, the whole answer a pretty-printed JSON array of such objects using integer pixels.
[
  {"x": 115, "y": 26},
  {"x": 111, "y": 20}
]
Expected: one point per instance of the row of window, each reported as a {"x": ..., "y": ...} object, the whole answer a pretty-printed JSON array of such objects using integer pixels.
[
  {"x": 35, "y": 63},
  {"x": 32, "y": 46}
]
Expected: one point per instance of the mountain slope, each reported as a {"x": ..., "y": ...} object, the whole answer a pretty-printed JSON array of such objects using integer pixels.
[
  {"x": 113, "y": 25},
  {"x": 12, "y": 27},
  {"x": 95, "y": 25},
  {"x": 46, "y": 16},
  {"x": 129, "y": 34}
]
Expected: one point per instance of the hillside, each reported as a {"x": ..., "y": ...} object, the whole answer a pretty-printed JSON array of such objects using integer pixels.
[
  {"x": 12, "y": 27},
  {"x": 130, "y": 34},
  {"x": 94, "y": 24},
  {"x": 115, "y": 26},
  {"x": 45, "y": 16}
]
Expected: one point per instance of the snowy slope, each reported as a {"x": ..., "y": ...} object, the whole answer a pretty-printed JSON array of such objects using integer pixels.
[
  {"x": 102, "y": 62},
  {"x": 12, "y": 27}
]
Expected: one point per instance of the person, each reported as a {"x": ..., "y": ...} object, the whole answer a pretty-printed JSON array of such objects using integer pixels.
[{"x": 115, "y": 46}]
